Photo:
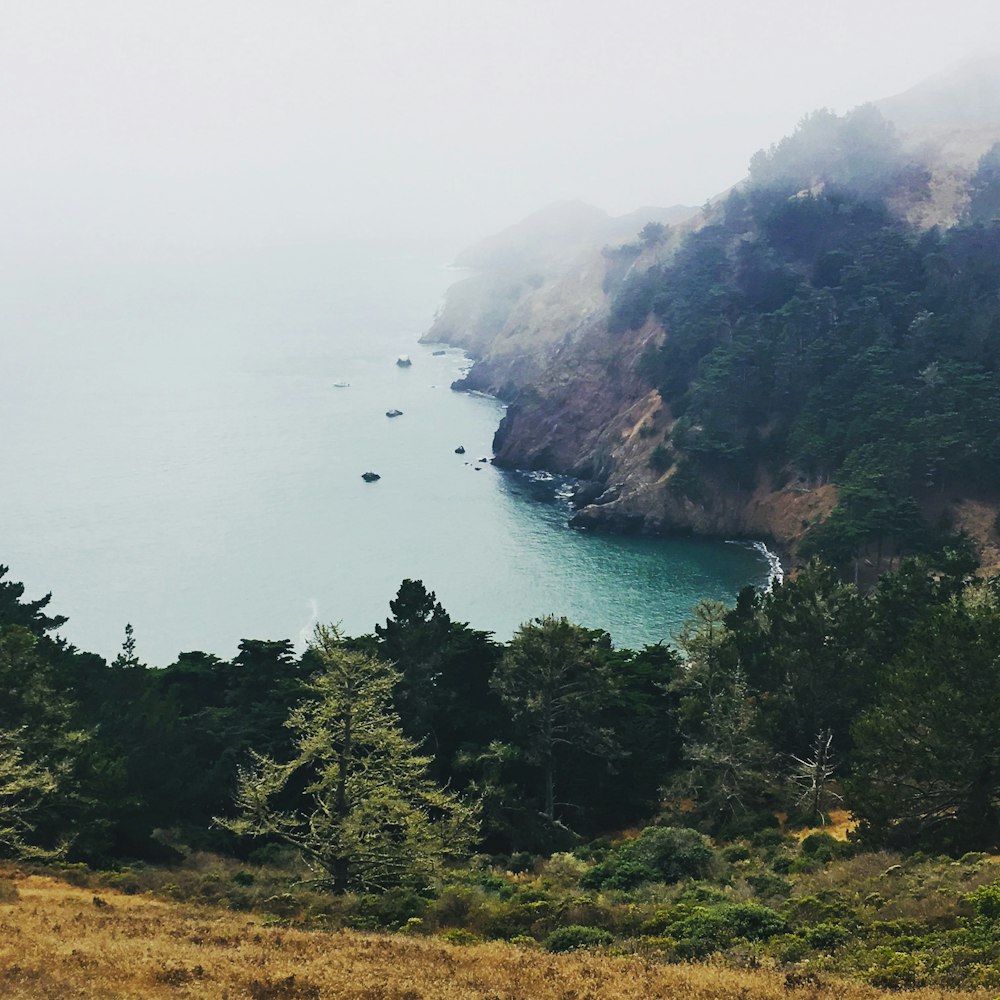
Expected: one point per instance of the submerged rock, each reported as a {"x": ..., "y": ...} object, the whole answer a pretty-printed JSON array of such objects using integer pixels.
[{"x": 438, "y": 354}]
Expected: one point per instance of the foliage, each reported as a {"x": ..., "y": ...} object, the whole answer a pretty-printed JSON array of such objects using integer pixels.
[
  {"x": 364, "y": 815},
  {"x": 554, "y": 681},
  {"x": 812, "y": 334},
  {"x": 928, "y": 756},
  {"x": 658, "y": 854},
  {"x": 573, "y": 937}
]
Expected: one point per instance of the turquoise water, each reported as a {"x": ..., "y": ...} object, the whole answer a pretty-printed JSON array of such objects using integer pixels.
[{"x": 180, "y": 457}]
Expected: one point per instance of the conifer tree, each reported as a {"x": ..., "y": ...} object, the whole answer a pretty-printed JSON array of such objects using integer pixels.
[{"x": 367, "y": 817}]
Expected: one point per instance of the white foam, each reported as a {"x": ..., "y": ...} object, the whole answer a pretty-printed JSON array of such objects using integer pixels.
[{"x": 775, "y": 571}]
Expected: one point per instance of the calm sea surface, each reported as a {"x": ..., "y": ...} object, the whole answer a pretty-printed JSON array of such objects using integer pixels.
[{"x": 176, "y": 454}]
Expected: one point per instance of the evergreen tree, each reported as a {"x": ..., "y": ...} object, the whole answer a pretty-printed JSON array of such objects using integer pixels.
[
  {"x": 555, "y": 682},
  {"x": 355, "y": 798},
  {"x": 927, "y": 754}
]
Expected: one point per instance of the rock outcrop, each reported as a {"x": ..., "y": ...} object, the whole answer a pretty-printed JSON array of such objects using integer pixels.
[{"x": 533, "y": 314}]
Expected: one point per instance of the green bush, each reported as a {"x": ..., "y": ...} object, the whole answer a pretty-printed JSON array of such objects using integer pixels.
[
  {"x": 827, "y": 936},
  {"x": 658, "y": 854},
  {"x": 770, "y": 837},
  {"x": 496, "y": 884},
  {"x": 986, "y": 901},
  {"x": 391, "y": 909},
  {"x": 894, "y": 970},
  {"x": 574, "y": 937},
  {"x": 825, "y": 906},
  {"x": 735, "y": 853},
  {"x": 709, "y": 929},
  {"x": 661, "y": 459},
  {"x": 769, "y": 886}
]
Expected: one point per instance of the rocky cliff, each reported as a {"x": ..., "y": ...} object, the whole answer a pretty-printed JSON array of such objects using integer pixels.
[{"x": 534, "y": 315}]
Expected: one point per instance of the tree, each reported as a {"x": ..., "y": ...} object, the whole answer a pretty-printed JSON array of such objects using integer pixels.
[
  {"x": 806, "y": 650},
  {"x": 24, "y": 787},
  {"x": 927, "y": 753},
  {"x": 28, "y": 614},
  {"x": 127, "y": 658},
  {"x": 443, "y": 697},
  {"x": 810, "y": 779},
  {"x": 46, "y": 784},
  {"x": 412, "y": 639},
  {"x": 554, "y": 680},
  {"x": 726, "y": 765},
  {"x": 355, "y": 798}
]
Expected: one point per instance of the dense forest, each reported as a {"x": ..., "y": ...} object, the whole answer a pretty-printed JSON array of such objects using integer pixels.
[
  {"x": 386, "y": 760},
  {"x": 813, "y": 335},
  {"x": 559, "y": 736}
]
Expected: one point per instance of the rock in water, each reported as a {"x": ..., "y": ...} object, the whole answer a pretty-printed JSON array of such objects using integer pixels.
[
  {"x": 460, "y": 450},
  {"x": 370, "y": 477},
  {"x": 404, "y": 361},
  {"x": 393, "y": 413}
]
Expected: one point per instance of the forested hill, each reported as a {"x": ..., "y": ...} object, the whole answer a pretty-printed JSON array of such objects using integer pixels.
[
  {"x": 814, "y": 336},
  {"x": 813, "y": 358}
]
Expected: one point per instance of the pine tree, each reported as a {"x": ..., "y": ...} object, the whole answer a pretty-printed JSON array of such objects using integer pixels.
[
  {"x": 555, "y": 682},
  {"x": 367, "y": 816}
]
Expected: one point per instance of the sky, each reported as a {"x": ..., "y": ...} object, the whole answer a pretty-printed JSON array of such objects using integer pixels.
[{"x": 212, "y": 123}]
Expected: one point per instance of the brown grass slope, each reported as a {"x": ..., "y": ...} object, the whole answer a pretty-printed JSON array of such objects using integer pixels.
[{"x": 58, "y": 941}]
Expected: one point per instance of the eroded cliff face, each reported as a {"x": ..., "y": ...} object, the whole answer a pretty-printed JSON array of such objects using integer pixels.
[
  {"x": 594, "y": 416},
  {"x": 534, "y": 312}
]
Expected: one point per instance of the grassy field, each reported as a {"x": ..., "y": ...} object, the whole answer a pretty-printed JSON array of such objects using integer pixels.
[{"x": 61, "y": 941}]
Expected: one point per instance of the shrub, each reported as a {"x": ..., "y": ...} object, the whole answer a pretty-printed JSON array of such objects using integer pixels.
[
  {"x": 894, "y": 970},
  {"x": 658, "y": 854},
  {"x": 709, "y": 929},
  {"x": 735, "y": 853},
  {"x": 769, "y": 886},
  {"x": 827, "y": 936},
  {"x": 661, "y": 459},
  {"x": 826, "y": 906},
  {"x": 820, "y": 843},
  {"x": 770, "y": 837},
  {"x": 986, "y": 901},
  {"x": 575, "y": 936},
  {"x": 496, "y": 884},
  {"x": 458, "y": 936},
  {"x": 391, "y": 909}
]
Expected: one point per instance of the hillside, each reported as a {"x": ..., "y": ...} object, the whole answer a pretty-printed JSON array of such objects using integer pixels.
[
  {"x": 62, "y": 941},
  {"x": 668, "y": 371}
]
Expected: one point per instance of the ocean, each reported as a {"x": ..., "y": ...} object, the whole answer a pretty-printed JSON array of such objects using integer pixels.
[{"x": 184, "y": 438}]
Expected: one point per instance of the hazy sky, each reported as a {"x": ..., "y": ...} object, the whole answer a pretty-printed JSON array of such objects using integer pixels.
[{"x": 216, "y": 122}]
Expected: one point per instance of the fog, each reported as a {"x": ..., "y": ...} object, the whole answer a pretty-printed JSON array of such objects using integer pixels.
[{"x": 130, "y": 124}]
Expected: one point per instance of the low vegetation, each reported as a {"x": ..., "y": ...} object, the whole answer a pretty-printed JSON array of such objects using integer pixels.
[
  {"x": 59, "y": 940},
  {"x": 807, "y": 787}
]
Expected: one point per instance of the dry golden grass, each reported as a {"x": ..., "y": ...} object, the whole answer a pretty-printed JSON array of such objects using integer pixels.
[
  {"x": 841, "y": 824},
  {"x": 59, "y": 942}
]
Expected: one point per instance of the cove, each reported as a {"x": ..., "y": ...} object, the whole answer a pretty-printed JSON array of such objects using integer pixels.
[{"x": 187, "y": 436}]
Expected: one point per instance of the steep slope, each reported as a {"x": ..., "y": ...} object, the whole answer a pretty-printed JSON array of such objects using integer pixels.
[
  {"x": 710, "y": 375},
  {"x": 535, "y": 289}
]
